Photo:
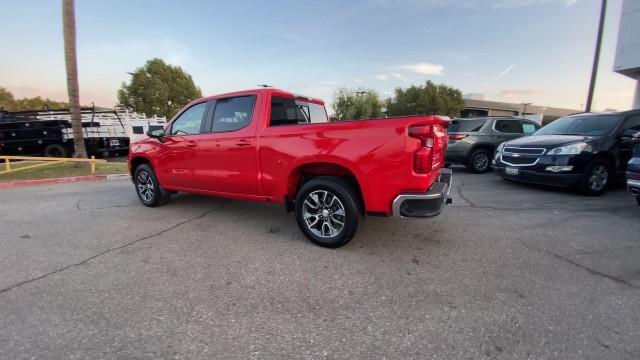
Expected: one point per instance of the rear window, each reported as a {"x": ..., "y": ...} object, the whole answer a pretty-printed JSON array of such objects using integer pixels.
[
  {"x": 462, "y": 125},
  {"x": 294, "y": 112},
  {"x": 137, "y": 130}
]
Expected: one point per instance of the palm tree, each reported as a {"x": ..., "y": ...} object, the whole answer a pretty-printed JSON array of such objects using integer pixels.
[{"x": 70, "y": 57}]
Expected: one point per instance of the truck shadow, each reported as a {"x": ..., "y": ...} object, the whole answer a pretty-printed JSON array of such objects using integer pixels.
[{"x": 274, "y": 224}]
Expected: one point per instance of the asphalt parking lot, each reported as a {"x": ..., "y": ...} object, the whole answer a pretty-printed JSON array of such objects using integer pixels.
[{"x": 507, "y": 271}]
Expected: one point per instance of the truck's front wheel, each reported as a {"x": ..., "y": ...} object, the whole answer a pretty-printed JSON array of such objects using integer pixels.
[
  {"x": 148, "y": 187},
  {"x": 327, "y": 211}
]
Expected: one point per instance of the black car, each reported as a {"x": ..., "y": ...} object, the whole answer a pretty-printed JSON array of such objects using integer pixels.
[
  {"x": 584, "y": 151},
  {"x": 633, "y": 169}
]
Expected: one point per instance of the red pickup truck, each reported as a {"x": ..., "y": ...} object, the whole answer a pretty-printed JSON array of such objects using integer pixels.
[{"x": 275, "y": 146}]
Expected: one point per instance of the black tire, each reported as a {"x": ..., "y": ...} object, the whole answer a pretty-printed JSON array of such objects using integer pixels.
[
  {"x": 479, "y": 161},
  {"x": 326, "y": 211},
  {"x": 638, "y": 200},
  {"x": 55, "y": 150},
  {"x": 593, "y": 182},
  {"x": 148, "y": 188}
]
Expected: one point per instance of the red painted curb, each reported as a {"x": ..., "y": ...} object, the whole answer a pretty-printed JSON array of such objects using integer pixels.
[{"x": 72, "y": 179}]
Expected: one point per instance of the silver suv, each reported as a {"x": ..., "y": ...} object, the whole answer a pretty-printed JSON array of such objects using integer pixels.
[{"x": 472, "y": 141}]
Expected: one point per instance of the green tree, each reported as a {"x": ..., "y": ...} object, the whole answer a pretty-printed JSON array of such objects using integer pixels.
[
  {"x": 6, "y": 99},
  {"x": 430, "y": 99},
  {"x": 356, "y": 104},
  {"x": 8, "y": 102},
  {"x": 158, "y": 89}
]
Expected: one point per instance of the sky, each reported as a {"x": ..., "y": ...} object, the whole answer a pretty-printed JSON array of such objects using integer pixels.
[{"x": 534, "y": 51}]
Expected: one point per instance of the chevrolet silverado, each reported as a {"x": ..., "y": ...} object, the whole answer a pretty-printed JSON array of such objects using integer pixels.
[{"x": 275, "y": 146}]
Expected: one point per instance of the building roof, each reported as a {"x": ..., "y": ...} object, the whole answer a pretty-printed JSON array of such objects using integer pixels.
[{"x": 536, "y": 109}]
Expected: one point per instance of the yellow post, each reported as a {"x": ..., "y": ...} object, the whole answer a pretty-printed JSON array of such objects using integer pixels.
[
  {"x": 93, "y": 164},
  {"x": 7, "y": 164}
]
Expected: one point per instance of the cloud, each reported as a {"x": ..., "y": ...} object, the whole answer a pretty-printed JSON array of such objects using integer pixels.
[
  {"x": 473, "y": 3},
  {"x": 425, "y": 68},
  {"x": 506, "y": 70},
  {"x": 521, "y": 3},
  {"x": 520, "y": 92},
  {"x": 399, "y": 76},
  {"x": 382, "y": 77}
]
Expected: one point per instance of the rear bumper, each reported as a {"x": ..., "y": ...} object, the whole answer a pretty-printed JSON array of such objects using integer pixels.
[{"x": 428, "y": 204}]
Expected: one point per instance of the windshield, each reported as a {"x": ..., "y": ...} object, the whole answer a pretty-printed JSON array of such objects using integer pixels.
[{"x": 588, "y": 125}]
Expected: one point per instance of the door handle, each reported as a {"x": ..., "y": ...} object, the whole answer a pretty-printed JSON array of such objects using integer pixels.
[
  {"x": 243, "y": 143},
  {"x": 191, "y": 143}
]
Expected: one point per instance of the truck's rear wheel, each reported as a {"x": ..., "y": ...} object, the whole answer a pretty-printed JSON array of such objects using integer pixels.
[
  {"x": 327, "y": 211},
  {"x": 55, "y": 150},
  {"x": 148, "y": 188}
]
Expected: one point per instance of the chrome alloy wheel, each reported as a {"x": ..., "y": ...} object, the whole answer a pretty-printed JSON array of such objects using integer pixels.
[
  {"x": 144, "y": 184},
  {"x": 599, "y": 177},
  {"x": 323, "y": 213},
  {"x": 481, "y": 162}
]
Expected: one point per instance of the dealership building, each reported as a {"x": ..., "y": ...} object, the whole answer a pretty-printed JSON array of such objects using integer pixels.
[
  {"x": 475, "y": 105},
  {"x": 627, "y": 60}
]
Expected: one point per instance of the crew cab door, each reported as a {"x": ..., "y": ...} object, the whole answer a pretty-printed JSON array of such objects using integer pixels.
[
  {"x": 227, "y": 152},
  {"x": 176, "y": 160}
]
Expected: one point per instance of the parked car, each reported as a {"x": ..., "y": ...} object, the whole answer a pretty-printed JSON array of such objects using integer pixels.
[
  {"x": 633, "y": 169},
  {"x": 274, "y": 146},
  {"x": 472, "y": 141},
  {"x": 585, "y": 151}
]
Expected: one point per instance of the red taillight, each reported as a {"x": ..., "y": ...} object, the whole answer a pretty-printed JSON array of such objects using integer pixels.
[
  {"x": 422, "y": 132},
  {"x": 457, "y": 136},
  {"x": 422, "y": 158}
]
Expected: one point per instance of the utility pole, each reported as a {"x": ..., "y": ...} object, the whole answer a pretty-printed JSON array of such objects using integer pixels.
[{"x": 596, "y": 58}]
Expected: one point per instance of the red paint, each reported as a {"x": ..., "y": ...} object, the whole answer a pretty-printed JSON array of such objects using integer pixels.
[
  {"x": 72, "y": 179},
  {"x": 386, "y": 156}
]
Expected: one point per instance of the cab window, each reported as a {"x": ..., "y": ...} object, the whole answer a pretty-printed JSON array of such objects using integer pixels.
[
  {"x": 189, "y": 121},
  {"x": 294, "y": 112},
  {"x": 232, "y": 114}
]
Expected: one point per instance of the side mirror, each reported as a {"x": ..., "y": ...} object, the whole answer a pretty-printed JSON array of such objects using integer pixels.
[{"x": 156, "y": 134}]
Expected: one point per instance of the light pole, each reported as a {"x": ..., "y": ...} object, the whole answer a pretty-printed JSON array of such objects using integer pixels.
[
  {"x": 524, "y": 112},
  {"x": 596, "y": 58}
]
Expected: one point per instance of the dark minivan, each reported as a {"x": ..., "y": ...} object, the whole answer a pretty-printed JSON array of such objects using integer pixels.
[{"x": 584, "y": 151}]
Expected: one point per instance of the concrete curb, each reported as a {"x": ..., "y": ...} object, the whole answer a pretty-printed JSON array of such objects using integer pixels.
[
  {"x": 118, "y": 176},
  {"x": 72, "y": 179}
]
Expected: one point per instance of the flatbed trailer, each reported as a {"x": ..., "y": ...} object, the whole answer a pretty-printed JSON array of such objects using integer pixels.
[{"x": 49, "y": 133}]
